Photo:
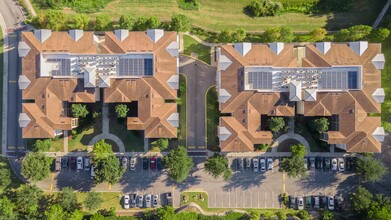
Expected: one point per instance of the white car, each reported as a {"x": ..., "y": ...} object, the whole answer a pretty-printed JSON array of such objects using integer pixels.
[
  {"x": 300, "y": 203},
  {"x": 255, "y": 164},
  {"x": 125, "y": 163},
  {"x": 334, "y": 164},
  {"x": 148, "y": 199},
  {"x": 79, "y": 163},
  {"x": 269, "y": 163},
  {"x": 126, "y": 202},
  {"x": 140, "y": 201},
  {"x": 133, "y": 163},
  {"x": 155, "y": 201},
  {"x": 263, "y": 165},
  {"x": 331, "y": 203},
  {"x": 92, "y": 172},
  {"x": 341, "y": 164}
]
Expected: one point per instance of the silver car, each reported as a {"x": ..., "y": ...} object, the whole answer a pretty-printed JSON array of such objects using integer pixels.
[
  {"x": 263, "y": 164},
  {"x": 341, "y": 164},
  {"x": 133, "y": 163},
  {"x": 331, "y": 203},
  {"x": 255, "y": 164},
  {"x": 269, "y": 163},
  {"x": 126, "y": 202},
  {"x": 140, "y": 201},
  {"x": 300, "y": 203},
  {"x": 334, "y": 164},
  {"x": 148, "y": 199},
  {"x": 125, "y": 163}
]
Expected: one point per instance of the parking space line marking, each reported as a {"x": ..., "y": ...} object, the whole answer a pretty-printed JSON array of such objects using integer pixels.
[
  {"x": 215, "y": 198},
  {"x": 51, "y": 186},
  {"x": 229, "y": 198},
  {"x": 273, "y": 198},
  {"x": 109, "y": 186},
  {"x": 52, "y": 176},
  {"x": 265, "y": 199},
  {"x": 258, "y": 199},
  {"x": 236, "y": 198}
]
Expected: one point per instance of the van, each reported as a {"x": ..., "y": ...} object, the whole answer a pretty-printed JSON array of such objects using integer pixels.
[
  {"x": 92, "y": 172},
  {"x": 86, "y": 163}
]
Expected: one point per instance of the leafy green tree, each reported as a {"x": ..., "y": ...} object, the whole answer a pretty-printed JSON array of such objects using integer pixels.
[
  {"x": 100, "y": 150},
  {"x": 319, "y": 125},
  {"x": 379, "y": 34},
  {"x": 93, "y": 200},
  {"x": 386, "y": 106},
  {"x": 42, "y": 145},
  {"x": 55, "y": 212},
  {"x": 103, "y": 22},
  {"x": 67, "y": 199},
  {"x": 80, "y": 21},
  {"x": 225, "y": 36},
  {"x": 167, "y": 212},
  {"x": 286, "y": 34},
  {"x": 254, "y": 215},
  {"x": 6, "y": 208},
  {"x": 79, "y": 110},
  {"x": 97, "y": 216},
  {"x": 298, "y": 151},
  {"x": 141, "y": 24},
  {"x": 386, "y": 125},
  {"x": 280, "y": 215},
  {"x": 180, "y": 23},
  {"x": 108, "y": 170},
  {"x": 327, "y": 215},
  {"x": 318, "y": 34},
  {"x": 294, "y": 167},
  {"x": 370, "y": 169},
  {"x": 126, "y": 21},
  {"x": 380, "y": 207},
  {"x": 161, "y": 143},
  {"x": 342, "y": 35},
  {"x": 361, "y": 200},
  {"x": 153, "y": 22},
  {"x": 239, "y": 35},
  {"x": 218, "y": 166},
  {"x": 359, "y": 32},
  {"x": 178, "y": 164},
  {"x": 5, "y": 177},
  {"x": 276, "y": 123},
  {"x": 55, "y": 20},
  {"x": 271, "y": 34},
  {"x": 121, "y": 110},
  {"x": 26, "y": 199},
  {"x": 76, "y": 215},
  {"x": 262, "y": 8},
  {"x": 36, "y": 166},
  {"x": 304, "y": 215},
  {"x": 107, "y": 212}
]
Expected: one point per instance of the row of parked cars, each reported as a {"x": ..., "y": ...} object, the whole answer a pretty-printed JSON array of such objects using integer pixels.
[
  {"x": 316, "y": 202},
  {"x": 258, "y": 164},
  {"x": 330, "y": 164},
  {"x": 147, "y": 201},
  {"x": 75, "y": 163}
]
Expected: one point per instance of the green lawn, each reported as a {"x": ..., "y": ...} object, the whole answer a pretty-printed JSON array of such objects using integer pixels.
[
  {"x": 182, "y": 111},
  {"x": 188, "y": 197},
  {"x": 216, "y": 15},
  {"x": 133, "y": 140},
  {"x": 192, "y": 46},
  {"x": 212, "y": 119}
]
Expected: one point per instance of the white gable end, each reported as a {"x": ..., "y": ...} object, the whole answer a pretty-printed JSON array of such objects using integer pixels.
[{"x": 379, "y": 61}]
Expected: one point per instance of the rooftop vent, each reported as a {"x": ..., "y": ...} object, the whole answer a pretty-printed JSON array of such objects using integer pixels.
[
  {"x": 323, "y": 47},
  {"x": 42, "y": 34},
  {"x": 378, "y": 61},
  {"x": 276, "y": 47},
  {"x": 242, "y": 48},
  {"x": 359, "y": 46},
  {"x": 76, "y": 34},
  {"x": 155, "y": 34},
  {"x": 23, "y": 49},
  {"x": 223, "y": 133},
  {"x": 121, "y": 34}
]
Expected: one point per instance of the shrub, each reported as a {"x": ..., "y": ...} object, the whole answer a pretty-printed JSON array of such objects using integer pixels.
[
  {"x": 189, "y": 4},
  {"x": 318, "y": 34},
  {"x": 161, "y": 143},
  {"x": 180, "y": 23},
  {"x": 126, "y": 21},
  {"x": 144, "y": 23},
  {"x": 379, "y": 34},
  {"x": 359, "y": 32},
  {"x": 103, "y": 22},
  {"x": 319, "y": 125},
  {"x": 276, "y": 123},
  {"x": 42, "y": 145},
  {"x": 342, "y": 35},
  {"x": 263, "y": 8},
  {"x": 79, "y": 110},
  {"x": 281, "y": 34}
]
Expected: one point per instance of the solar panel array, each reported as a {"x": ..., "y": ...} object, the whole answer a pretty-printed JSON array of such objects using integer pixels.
[
  {"x": 135, "y": 67},
  {"x": 260, "y": 80},
  {"x": 64, "y": 67},
  {"x": 333, "y": 80}
]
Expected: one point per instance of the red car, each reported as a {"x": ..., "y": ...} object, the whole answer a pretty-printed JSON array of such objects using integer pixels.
[{"x": 152, "y": 163}]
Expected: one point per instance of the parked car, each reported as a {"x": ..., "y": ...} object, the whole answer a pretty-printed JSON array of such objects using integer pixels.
[
  {"x": 323, "y": 204},
  {"x": 241, "y": 163},
  {"x": 255, "y": 164},
  {"x": 145, "y": 163},
  {"x": 148, "y": 199},
  {"x": 263, "y": 164},
  {"x": 305, "y": 163},
  {"x": 312, "y": 163},
  {"x": 65, "y": 162},
  {"x": 92, "y": 172},
  {"x": 133, "y": 161},
  {"x": 152, "y": 163},
  {"x": 316, "y": 202},
  {"x": 308, "y": 202},
  {"x": 140, "y": 200},
  {"x": 79, "y": 163},
  {"x": 331, "y": 203},
  {"x": 292, "y": 202},
  {"x": 334, "y": 165},
  {"x": 155, "y": 201},
  {"x": 338, "y": 203},
  {"x": 248, "y": 163},
  {"x": 341, "y": 164},
  {"x": 72, "y": 163},
  {"x": 159, "y": 163},
  {"x": 326, "y": 161},
  {"x": 126, "y": 202},
  {"x": 86, "y": 163},
  {"x": 133, "y": 200},
  {"x": 125, "y": 163},
  {"x": 318, "y": 162},
  {"x": 58, "y": 164},
  {"x": 300, "y": 203},
  {"x": 269, "y": 163},
  {"x": 348, "y": 163},
  {"x": 169, "y": 199}
]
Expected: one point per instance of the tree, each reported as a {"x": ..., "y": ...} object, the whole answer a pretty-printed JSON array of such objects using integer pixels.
[
  {"x": 225, "y": 36},
  {"x": 303, "y": 215},
  {"x": 93, "y": 201},
  {"x": 100, "y": 150},
  {"x": 103, "y": 22},
  {"x": 141, "y": 24},
  {"x": 318, "y": 34},
  {"x": 36, "y": 166},
  {"x": 79, "y": 110},
  {"x": 276, "y": 123},
  {"x": 298, "y": 151},
  {"x": 67, "y": 199},
  {"x": 342, "y": 35},
  {"x": 370, "y": 169},
  {"x": 359, "y": 32},
  {"x": 286, "y": 34},
  {"x": 76, "y": 215},
  {"x": 80, "y": 21},
  {"x": 380, "y": 207},
  {"x": 180, "y": 23},
  {"x": 280, "y": 215},
  {"x": 167, "y": 212},
  {"x": 108, "y": 170},
  {"x": 55, "y": 20},
  {"x": 386, "y": 106},
  {"x": 55, "y": 212},
  {"x": 386, "y": 125},
  {"x": 5, "y": 177},
  {"x": 97, "y": 216},
  {"x": 379, "y": 34},
  {"x": 126, "y": 21},
  {"x": 161, "y": 143},
  {"x": 294, "y": 166},
  {"x": 327, "y": 215},
  {"x": 271, "y": 34},
  {"x": 319, "y": 125},
  {"x": 42, "y": 145},
  {"x": 153, "y": 22},
  {"x": 361, "y": 200},
  {"x": 261, "y": 8},
  {"x": 239, "y": 35},
  {"x": 121, "y": 110},
  {"x": 178, "y": 164},
  {"x": 27, "y": 199},
  {"x": 6, "y": 208},
  {"x": 218, "y": 166}
]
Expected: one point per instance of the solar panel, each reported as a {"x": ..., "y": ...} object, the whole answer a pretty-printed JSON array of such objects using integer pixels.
[
  {"x": 135, "y": 67},
  {"x": 260, "y": 80},
  {"x": 64, "y": 67},
  {"x": 333, "y": 80}
]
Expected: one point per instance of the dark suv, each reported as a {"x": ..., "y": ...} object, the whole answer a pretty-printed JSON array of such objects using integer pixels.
[{"x": 145, "y": 163}]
